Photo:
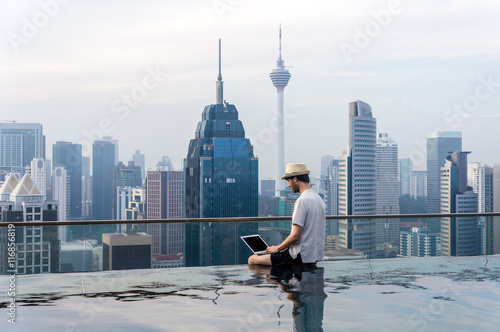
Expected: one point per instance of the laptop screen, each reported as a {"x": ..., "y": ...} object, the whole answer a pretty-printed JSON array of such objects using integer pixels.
[{"x": 255, "y": 242}]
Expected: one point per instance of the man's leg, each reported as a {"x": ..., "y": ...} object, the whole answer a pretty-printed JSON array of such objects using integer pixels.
[{"x": 260, "y": 259}]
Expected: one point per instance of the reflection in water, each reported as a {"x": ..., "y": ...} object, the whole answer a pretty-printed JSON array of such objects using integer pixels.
[{"x": 305, "y": 289}]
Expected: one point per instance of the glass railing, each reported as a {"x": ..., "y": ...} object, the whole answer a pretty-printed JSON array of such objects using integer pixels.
[{"x": 84, "y": 246}]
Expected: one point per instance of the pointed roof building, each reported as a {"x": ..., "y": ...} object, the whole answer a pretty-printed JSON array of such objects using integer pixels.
[
  {"x": 26, "y": 187},
  {"x": 8, "y": 186}
]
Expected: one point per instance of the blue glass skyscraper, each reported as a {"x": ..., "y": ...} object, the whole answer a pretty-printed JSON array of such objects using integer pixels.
[
  {"x": 69, "y": 156},
  {"x": 221, "y": 180}
]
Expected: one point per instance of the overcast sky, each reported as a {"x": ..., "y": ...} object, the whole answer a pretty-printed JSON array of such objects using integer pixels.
[{"x": 142, "y": 71}]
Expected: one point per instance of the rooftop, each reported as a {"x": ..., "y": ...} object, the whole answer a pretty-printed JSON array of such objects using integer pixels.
[{"x": 415, "y": 294}]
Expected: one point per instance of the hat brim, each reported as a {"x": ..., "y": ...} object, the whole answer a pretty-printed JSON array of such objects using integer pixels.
[{"x": 291, "y": 175}]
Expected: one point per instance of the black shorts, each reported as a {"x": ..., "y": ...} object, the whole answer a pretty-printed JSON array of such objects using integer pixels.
[{"x": 283, "y": 258}]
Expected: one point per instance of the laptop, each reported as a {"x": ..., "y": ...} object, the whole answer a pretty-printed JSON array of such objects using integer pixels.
[{"x": 255, "y": 243}]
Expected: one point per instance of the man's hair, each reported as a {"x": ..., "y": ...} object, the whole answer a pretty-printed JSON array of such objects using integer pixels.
[{"x": 303, "y": 178}]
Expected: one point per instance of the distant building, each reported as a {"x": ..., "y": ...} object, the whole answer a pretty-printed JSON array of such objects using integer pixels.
[
  {"x": 387, "y": 189},
  {"x": 267, "y": 188},
  {"x": 137, "y": 205},
  {"x": 476, "y": 179},
  {"x": 164, "y": 195},
  {"x": 126, "y": 251},
  {"x": 140, "y": 160},
  {"x": 40, "y": 173},
  {"x": 20, "y": 143},
  {"x": 420, "y": 242},
  {"x": 418, "y": 186},
  {"x": 165, "y": 164},
  {"x": 459, "y": 236},
  {"x": 61, "y": 192},
  {"x": 123, "y": 199},
  {"x": 86, "y": 189},
  {"x": 358, "y": 181},
  {"x": 115, "y": 147},
  {"x": 439, "y": 145},
  {"x": 69, "y": 156},
  {"x": 330, "y": 184},
  {"x": 77, "y": 256},
  {"x": 168, "y": 261},
  {"x": 124, "y": 176},
  {"x": 405, "y": 168},
  {"x": 103, "y": 162},
  {"x": 37, "y": 246}
]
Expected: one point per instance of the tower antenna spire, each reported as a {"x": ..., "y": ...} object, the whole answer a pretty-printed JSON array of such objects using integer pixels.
[
  {"x": 219, "y": 83},
  {"x": 280, "y": 43},
  {"x": 219, "y": 78}
]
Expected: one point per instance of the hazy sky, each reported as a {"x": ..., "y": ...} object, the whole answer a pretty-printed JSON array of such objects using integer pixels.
[{"x": 142, "y": 71}]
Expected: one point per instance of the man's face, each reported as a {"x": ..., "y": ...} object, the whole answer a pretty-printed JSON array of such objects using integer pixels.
[{"x": 293, "y": 185}]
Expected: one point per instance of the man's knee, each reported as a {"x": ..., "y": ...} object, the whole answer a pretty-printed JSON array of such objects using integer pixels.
[{"x": 251, "y": 260}]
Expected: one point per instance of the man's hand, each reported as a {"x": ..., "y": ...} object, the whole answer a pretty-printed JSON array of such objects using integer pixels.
[{"x": 272, "y": 249}]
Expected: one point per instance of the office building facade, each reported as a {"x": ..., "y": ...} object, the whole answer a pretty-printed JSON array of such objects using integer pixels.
[
  {"x": 358, "y": 181},
  {"x": 103, "y": 162},
  {"x": 69, "y": 156},
  {"x": 164, "y": 196},
  {"x": 387, "y": 189},
  {"x": 420, "y": 242},
  {"x": 20, "y": 143},
  {"x": 459, "y": 236}
]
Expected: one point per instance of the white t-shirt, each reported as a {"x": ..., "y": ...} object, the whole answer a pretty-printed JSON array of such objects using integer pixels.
[{"x": 309, "y": 213}]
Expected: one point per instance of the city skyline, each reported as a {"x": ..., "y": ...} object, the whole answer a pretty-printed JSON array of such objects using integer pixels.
[{"x": 71, "y": 73}]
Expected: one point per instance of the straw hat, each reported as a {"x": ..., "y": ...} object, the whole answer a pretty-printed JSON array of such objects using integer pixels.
[{"x": 294, "y": 170}]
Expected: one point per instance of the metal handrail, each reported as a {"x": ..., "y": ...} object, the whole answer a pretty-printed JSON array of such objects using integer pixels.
[{"x": 242, "y": 219}]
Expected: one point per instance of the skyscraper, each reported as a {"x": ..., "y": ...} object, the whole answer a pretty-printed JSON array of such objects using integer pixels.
[
  {"x": 387, "y": 189},
  {"x": 124, "y": 176},
  {"x": 358, "y": 181},
  {"x": 439, "y": 145},
  {"x": 103, "y": 162},
  {"x": 459, "y": 236},
  {"x": 418, "y": 183},
  {"x": 69, "y": 156},
  {"x": 140, "y": 160},
  {"x": 280, "y": 77},
  {"x": 221, "y": 175},
  {"x": 19, "y": 144},
  {"x": 165, "y": 200},
  {"x": 405, "y": 167},
  {"x": 40, "y": 173}
]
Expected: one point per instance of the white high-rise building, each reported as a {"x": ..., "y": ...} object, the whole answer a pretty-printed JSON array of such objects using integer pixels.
[
  {"x": 387, "y": 189},
  {"x": 358, "y": 181},
  {"x": 40, "y": 173},
  {"x": 418, "y": 184},
  {"x": 280, "y": 77},
  {"x": 36, "y": 246},
  {"x": 459, "y": 236},
  {"x": 124, "y": 195},
  {"x": 61, "y": 192},
  {"x": 475, "y": 179}
]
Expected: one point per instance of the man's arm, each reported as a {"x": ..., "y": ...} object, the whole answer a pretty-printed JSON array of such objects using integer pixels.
[{"x": 291, "y": 239}]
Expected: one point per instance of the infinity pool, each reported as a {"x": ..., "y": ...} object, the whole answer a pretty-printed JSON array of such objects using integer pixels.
[{"x": 431, "y": 294}]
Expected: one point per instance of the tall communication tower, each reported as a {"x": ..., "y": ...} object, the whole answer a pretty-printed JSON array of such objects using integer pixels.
[{"x": 280, "y": 77}]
